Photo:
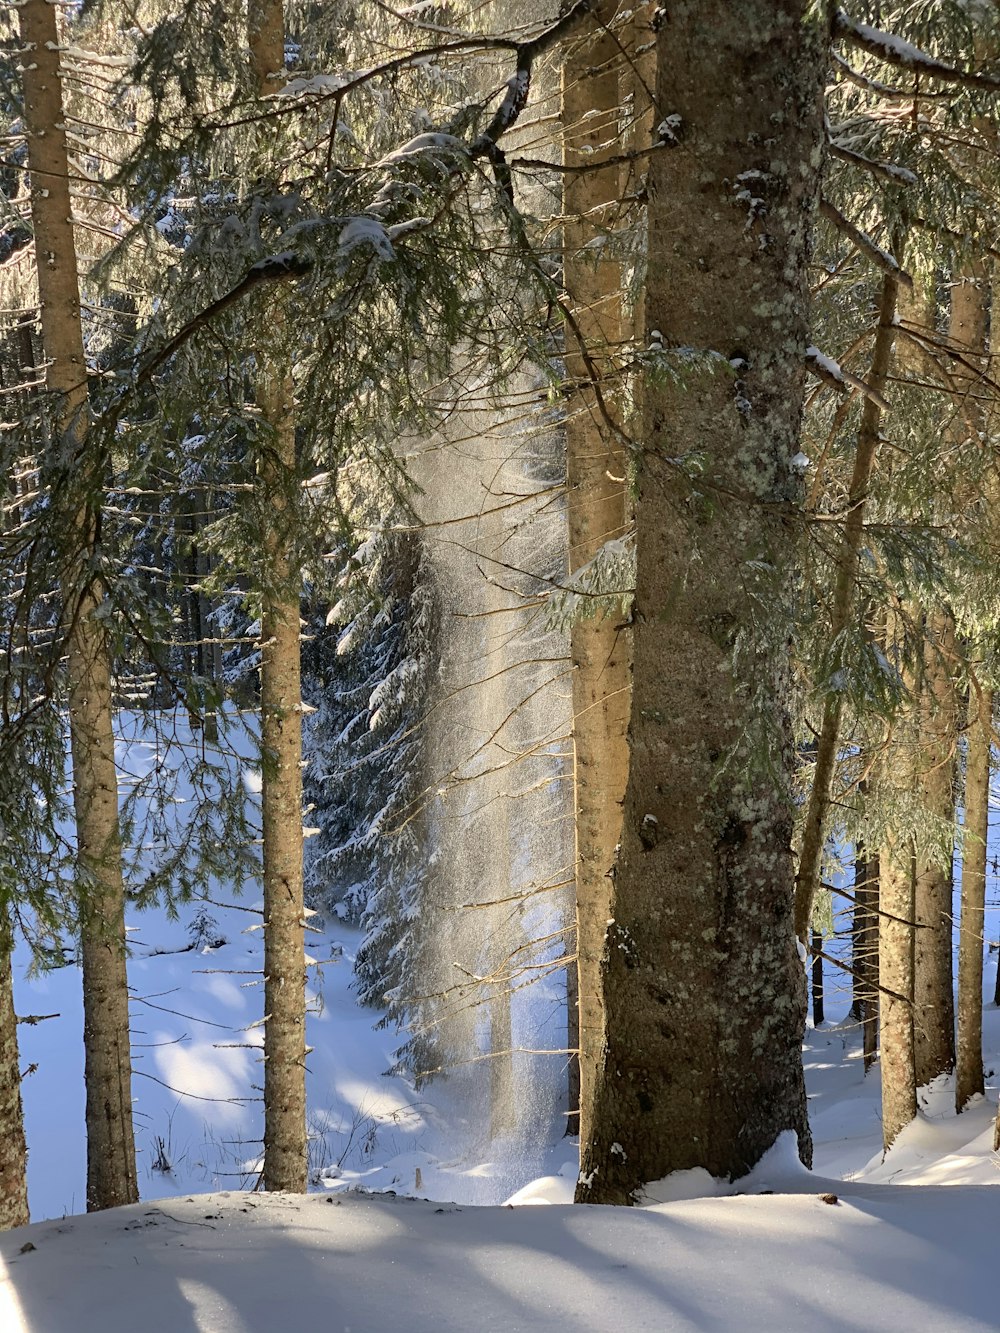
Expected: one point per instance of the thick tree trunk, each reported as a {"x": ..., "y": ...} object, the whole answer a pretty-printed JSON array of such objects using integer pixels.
[
  {"x": 704, "y": 991},
  {"x": 969, "y": 1076},
  {"x": 13, "y": 1152},
  {"x": 595, "y": 477},
  {"x": 111, "y": 1177},
  {"x": 285, "y": 1149},
  {"x": 934, "y": 1012}
]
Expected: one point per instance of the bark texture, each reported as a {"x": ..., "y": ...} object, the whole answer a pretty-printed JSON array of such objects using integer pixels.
[
  {"x": 285, "y": 1165},
  {"x": 285, "y": 1148},
  {"x": 899, "y": 1086},
  {"x": 13, "y": 1151},
  {"x": 75, "y": 471},
  {"x": 595, "y": 478},
  {"x": 969, "y": 1074},
  {"x": 865, "y": 953},
  {"x": 704, "y": 991},
  {"x": 933, "y": 985},
  {"x": 817, "y": 808}
]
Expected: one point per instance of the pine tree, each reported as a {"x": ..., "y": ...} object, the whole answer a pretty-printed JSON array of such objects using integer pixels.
[
  {"x": 74, "y": 475},
  {"x": 596, "y": 482},
  {"x": 704, "y": 992}
]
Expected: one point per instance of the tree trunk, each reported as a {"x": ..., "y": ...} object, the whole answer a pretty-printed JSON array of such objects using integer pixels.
[
  {"x": 13, "y": 1152},
  {"x": 704, "y": 991},
  {"x": 899, "y": 1086},
  {"x": 969, "y": 1077},
  {"x": 866, "y": 947},
  {"x": 814, "y": 822},
  {"x": 933, "y": 987},
  {"x": 817, "y": 979},
  {"x": 111, "y": 1177},
  {"x": 285, "y": 1162},
  {"x": 595, "y": 477},
  {"x": 285, "y": 1149}
]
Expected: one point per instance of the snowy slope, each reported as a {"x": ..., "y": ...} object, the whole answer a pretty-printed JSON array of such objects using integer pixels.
[{"x": 882, "y": 1258}]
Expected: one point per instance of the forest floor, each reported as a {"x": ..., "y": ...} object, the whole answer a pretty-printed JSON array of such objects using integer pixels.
[
  {"x": 408, "y": 1226},
  {"x": 909, "y": 1241}
]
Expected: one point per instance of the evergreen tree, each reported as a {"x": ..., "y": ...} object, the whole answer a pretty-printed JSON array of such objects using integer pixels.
[{"x": 704, "y": 994}]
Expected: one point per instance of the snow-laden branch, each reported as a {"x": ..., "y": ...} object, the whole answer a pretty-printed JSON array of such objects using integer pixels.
[
  {"x": 833, "y": 373},
  {"x": 887, "y": 171},
  {"x": 863, "y": 242},
  {"x": 904, "y": 55}
]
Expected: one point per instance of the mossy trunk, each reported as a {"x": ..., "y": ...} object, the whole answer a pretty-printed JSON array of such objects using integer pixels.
[
  {"x": 704, "y": 991},
  {"x": 899, "y": 1085}
]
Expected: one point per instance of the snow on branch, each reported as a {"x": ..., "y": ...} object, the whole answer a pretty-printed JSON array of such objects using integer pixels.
[
  {"x": 887, "y": 171},
  {"x": 894, "y": 50},
  {"x": 832, "y": 373},
  {"x": 517, "y": 89},
  {"x": 273, "y": 268},
  {"x": 863, "y": 242}
]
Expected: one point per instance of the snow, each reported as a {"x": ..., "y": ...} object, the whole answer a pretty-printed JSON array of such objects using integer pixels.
[
  {"x": 783, "y": 1249},
  {"x": 826, "y": 363},
  {"x": 491, "y": 1240},
  {"x": 846, "y": 1258}
]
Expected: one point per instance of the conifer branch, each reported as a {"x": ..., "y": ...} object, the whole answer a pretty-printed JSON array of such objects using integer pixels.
[
  {"x": 893, "y": 50},
  {"x": 863, "y": 242}
]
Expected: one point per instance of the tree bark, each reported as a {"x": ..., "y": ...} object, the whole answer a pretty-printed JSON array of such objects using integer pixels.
[
  {"x": 899, "y": 1086},
  {"x": 111, "y": 1176},
  {"x": 818, "y": 1006},
  {"x": 595, "y": 489},
  {"x": 817, "y": 807},
  {"x": 285, "y": 1158},
  {"x": 285, "y": 1147},
  {"x": 866, "y": 946},
  {"x": 13, "y": 1151},
  {"x": 704, "y": 991},
  {"x": 969, "y": 1075},
  {"x": 933, "y": 986}
]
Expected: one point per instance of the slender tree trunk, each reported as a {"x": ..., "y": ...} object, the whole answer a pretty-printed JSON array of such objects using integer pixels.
[
  {"x": 814, "y": 823},
  {"x": 858, "y": 921},
  {"x": 897, "y": 875},
  {"x": 704, "y": 991},
  {"x": 285, "y": 1160},
  {"x": 595, "y": 475},
  {"x": 285, "y": 1154},
  {"x": 866, "y": 957},
  {"x": 899, "y": 1086},
  {"x": 969, "y": 1077},
  {"x": 111, "y": 1176},
  {"x": 817, "y": 979},
  {"x": 13, "y": 1152},
  {"x": 933, "y": 995}
]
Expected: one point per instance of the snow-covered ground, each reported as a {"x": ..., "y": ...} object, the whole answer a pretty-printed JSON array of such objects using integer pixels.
[
  {"x": 409, "y": 1225},
  {"x": 204, "y": 1253}
]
